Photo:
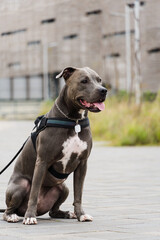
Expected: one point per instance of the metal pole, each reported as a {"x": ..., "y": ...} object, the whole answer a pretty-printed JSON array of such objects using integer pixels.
[
  {"x": 137, "y": 52},
  {"x": 45, "y": 67},
  {"x": 128, "y": 48},
  {"x": 45, "y": 71}
]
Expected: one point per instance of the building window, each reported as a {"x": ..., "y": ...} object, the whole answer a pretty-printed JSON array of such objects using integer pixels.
[
  {"x": 37, "y": 42},
  {"x": 154, "y": 50},
  {"x": 71, "y": 36},
  {"x": 14, "y": 64},
  {"x": 131, "y": 5},
  {"x": 94, "y": 12},
  {"x": 108, "y": 35},
  {"x": 113, "y": 55},
  {"x": 13, "y": 32},
  {"x": 49, "y": 20}
]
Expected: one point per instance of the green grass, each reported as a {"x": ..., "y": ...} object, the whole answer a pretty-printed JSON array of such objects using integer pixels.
[
  {"x": 123, "y": 124},
  {"x": 45, "y": 107}
]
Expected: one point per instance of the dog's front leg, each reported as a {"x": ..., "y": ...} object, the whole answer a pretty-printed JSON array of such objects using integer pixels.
[
  {"x": 79, "y": 176},
  {"x": 39, "y": 171}
]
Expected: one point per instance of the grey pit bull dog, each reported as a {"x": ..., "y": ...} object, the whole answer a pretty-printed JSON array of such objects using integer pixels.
[{"x": 33, "y": 190}]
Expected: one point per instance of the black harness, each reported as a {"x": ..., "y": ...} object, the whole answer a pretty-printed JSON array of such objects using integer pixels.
[{"x": 42, "y": 122}]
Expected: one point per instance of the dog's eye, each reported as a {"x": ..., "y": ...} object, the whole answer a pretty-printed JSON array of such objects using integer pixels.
[
  {"x": 84, "y": 81},
  {"x": 99, "y": 80}
]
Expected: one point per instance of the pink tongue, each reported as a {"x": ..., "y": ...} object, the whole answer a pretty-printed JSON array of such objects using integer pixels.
[{"x": 100, "y": 106}]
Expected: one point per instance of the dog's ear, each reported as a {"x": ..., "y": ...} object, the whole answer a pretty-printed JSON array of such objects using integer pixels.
[{"x": 66, "y": 73}]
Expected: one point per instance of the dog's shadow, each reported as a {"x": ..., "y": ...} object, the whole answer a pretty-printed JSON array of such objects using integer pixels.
[{"x": 45, "y": 219}]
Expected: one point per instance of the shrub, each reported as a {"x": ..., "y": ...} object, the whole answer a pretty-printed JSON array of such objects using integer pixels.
[
  {"x": 149, "y": 96},
  {"x": 123, "y": 124},
  {"x": 45, "y": 107}
]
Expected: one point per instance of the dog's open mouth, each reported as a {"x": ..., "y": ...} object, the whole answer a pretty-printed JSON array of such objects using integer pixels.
[{"x": 93, "y": 107}]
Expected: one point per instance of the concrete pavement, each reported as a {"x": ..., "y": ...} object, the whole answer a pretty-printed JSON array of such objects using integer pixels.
[
  {"x": 121, "y": 192},
  {"x": 19, "y": 109}
]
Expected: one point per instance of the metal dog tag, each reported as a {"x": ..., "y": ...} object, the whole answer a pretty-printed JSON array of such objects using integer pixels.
[{"x": 77, "y": 128}]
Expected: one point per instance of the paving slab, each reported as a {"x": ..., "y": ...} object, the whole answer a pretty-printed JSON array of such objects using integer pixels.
[{"x": 121, "y": 192}]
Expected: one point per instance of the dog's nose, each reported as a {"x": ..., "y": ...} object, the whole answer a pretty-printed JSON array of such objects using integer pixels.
[{"x": 103, "y": 91}]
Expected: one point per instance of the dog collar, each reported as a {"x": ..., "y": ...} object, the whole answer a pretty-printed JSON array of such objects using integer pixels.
[{"x": 66, "y": 123}]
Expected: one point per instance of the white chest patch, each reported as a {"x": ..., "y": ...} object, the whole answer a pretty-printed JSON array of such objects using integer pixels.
[
  {"x": 72, "y": 145},
  {"x": 82, "y": 112}
]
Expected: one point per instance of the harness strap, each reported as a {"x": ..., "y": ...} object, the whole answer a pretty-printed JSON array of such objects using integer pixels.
[
  {"x": 57, "y": 174},
  {"x": 66, "y": 123},
  {"x": 40, "y": 125}
]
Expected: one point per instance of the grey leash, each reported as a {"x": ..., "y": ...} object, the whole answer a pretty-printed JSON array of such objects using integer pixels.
[{"x": 13, "y": 157}]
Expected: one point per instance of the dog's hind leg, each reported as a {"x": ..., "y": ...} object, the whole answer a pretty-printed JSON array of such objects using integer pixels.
[
  {"x": 15, "y": 194},
  {"x": 55, "y": 212}
]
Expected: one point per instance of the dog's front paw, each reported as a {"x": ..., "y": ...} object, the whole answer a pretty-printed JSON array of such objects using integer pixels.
[
  {"x": 12, "y": 218},
  {"x": 86, "y": 218},
  {"x": 30, "y": 221}
]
